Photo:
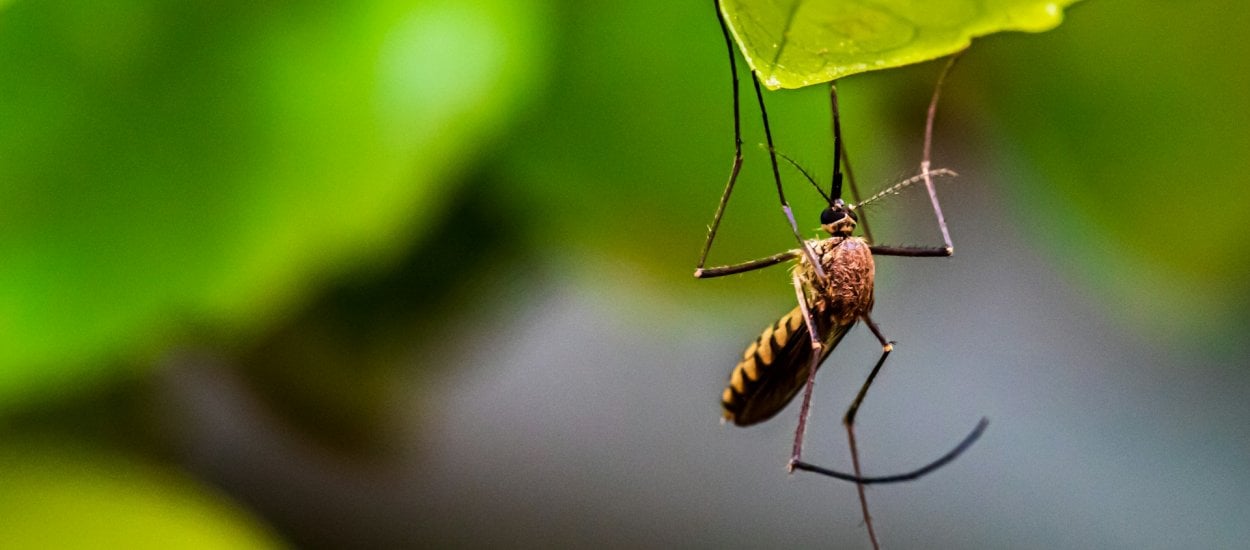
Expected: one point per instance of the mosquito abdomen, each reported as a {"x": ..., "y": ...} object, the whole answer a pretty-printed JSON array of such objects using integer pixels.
[{"x": 772, "y": 370}]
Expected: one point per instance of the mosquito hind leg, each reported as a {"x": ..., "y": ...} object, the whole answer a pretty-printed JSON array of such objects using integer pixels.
[
  {"x": 796, "y": 456},
  {"x": 848, "y": 421}
]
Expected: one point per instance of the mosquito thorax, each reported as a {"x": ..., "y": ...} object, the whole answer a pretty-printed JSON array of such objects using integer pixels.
[{"x": 837, "y": 220}]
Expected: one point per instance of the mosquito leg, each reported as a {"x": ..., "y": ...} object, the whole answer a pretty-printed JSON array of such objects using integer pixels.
[
  {"x": 928, "y": 148},
  {"x": 841, "y": 158},
  {"x": 799, "y": 293},
  {"x": 804, "y": 410},
  {"x": 849, "y": 421},
  {"x": 850, "y": 179},
  {"x": 926, "y": 174},
  {"x": 785, "y": 206},
  {"x": 835, "y": 186},
  {"x": 886, "y": 347},
  {"x": 918, "y": 473},
  {"x": 737, "y": 162},
  {"x": 720, "y": 271},
  {"x": 912, "y": 251},
  {"x": 737, "y": 167}
]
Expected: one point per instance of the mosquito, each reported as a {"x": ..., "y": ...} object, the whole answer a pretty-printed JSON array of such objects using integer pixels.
[{"x": 833, "y": 283}]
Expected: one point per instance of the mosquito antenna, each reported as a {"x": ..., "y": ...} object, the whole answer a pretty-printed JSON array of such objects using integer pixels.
[
  {"x": 898, "y": 187},
  {"x": 835, "y": 187},
  {"x": 807, "y": 175}
]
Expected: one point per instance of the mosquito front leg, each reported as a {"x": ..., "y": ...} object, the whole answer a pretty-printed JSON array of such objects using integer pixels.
[
  {"x": 781, "y": 194},
  {"x": 720, "y": 271},
  {"x": 737, "y": 166},
  {"x": 737, "y": 162}
]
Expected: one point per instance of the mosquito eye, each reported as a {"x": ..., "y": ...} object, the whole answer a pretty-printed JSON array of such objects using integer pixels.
[{"x": 828, "y": 216}]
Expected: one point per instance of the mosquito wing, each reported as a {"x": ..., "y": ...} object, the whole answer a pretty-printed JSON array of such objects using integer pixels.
[{"x": 773, "y": 369}]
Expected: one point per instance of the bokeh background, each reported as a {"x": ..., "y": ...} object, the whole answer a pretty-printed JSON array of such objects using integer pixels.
[{"x": 417, "y": 274}]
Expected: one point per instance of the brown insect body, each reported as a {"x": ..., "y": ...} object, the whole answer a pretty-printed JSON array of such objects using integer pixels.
[
  {"x": 775, "y": 366},
  {"x": 846, "y": 294}
]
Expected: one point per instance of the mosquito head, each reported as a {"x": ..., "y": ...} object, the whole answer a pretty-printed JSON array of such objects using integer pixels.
[{"x": 838, "y": 220}]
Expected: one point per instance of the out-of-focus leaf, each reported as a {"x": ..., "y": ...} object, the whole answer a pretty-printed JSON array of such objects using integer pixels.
[
  {"x": 58, "y": 498},
  {"x": 165, "y": 167},
  {"x": 797, "y": 43}
]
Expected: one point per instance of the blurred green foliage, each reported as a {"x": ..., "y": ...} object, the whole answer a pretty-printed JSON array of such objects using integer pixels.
[
  {"x": 804, "y": 42},
  {"x": 1130, "y": 133},
  {"x": 168, "y": 168},
  {"x": 63, "y": 496}
]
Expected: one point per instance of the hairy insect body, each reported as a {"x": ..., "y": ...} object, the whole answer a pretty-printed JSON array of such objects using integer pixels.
[
  {"x": 776, "y": 365},
  {"x": 846, "y": 294}
]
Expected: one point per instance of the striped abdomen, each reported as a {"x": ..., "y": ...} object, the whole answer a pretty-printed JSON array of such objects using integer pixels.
[{"x": 773, "y": 369}]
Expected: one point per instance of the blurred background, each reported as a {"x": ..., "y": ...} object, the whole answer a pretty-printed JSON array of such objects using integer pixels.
[{"x": 392, "y": 274}]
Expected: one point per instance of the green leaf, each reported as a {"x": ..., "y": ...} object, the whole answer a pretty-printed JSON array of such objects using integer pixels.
[
  {"x": 797, "y": 43},
  {"x": 167, "y": 169}
]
